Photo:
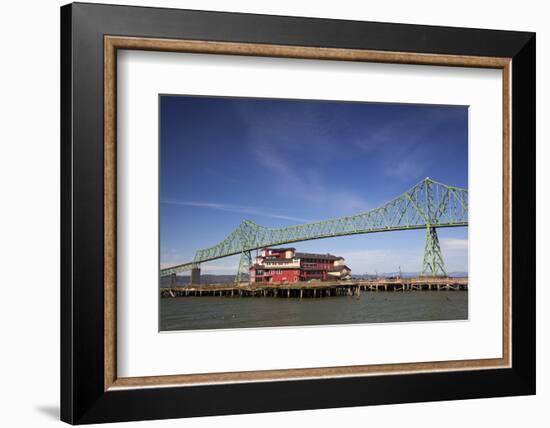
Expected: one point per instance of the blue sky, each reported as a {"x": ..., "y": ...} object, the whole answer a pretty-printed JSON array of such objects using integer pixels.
[{"x": 284, "y": 162}]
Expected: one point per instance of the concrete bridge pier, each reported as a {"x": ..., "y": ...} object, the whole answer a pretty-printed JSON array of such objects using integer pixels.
[{"x": 196, "y": 275}]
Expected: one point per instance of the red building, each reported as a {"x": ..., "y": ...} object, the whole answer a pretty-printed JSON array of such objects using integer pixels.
[{"x": 285, "y": 265}]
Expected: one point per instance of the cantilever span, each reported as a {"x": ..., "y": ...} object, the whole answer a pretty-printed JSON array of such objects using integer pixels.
[{"x": 427, "y": 205}]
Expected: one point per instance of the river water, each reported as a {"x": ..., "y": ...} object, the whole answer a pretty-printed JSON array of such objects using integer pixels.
[{"x": 208, "y": 312}]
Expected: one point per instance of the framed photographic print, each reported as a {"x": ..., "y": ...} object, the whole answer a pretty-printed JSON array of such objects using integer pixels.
[{"x": 265, "y": 213}]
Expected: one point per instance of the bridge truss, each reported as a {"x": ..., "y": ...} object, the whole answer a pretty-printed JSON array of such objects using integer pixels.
[{"x": 427, "y": 205}]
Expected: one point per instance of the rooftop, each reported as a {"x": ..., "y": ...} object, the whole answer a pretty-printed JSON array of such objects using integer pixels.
[
  {"x": 317, "y": 256},
  {"x": 339, "y": 268},
  {"x": 281, "y": 249}
]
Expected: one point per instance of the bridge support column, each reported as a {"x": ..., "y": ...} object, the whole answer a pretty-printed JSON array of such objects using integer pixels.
[
  {"x": 433, "y": 264},
  {"x": 196, "y": 275},
  {"x": 245, "y": 263}
]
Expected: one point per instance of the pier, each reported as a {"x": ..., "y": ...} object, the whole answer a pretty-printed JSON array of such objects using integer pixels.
[{"x": 317, "y": 288}]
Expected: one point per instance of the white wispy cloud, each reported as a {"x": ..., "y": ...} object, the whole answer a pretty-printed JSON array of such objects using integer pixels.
[
  {"x": 455, "y": 253},
  {"x": 206, "y": 268},
  {"x": 372, "y": 260},
  {"x": 274, "y": 149},
  {"x": 411, "y": 158},
  {"x": 235, "y": 209},
  {"x": 307, "y": 184},
  {"x": 454, "y": 244}
]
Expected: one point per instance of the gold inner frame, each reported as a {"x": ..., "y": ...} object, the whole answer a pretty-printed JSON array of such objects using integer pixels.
[{"x": 113, "y": 43}]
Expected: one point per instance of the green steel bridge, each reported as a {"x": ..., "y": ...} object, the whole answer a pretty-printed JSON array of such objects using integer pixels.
[{"x": 427, "y": 205}]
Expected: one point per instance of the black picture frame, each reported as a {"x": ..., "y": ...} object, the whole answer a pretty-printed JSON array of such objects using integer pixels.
[{"x": 83, "y": 398}]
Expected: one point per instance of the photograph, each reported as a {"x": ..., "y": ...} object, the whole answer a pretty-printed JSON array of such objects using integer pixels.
[{"x": 292, "y": 212}]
